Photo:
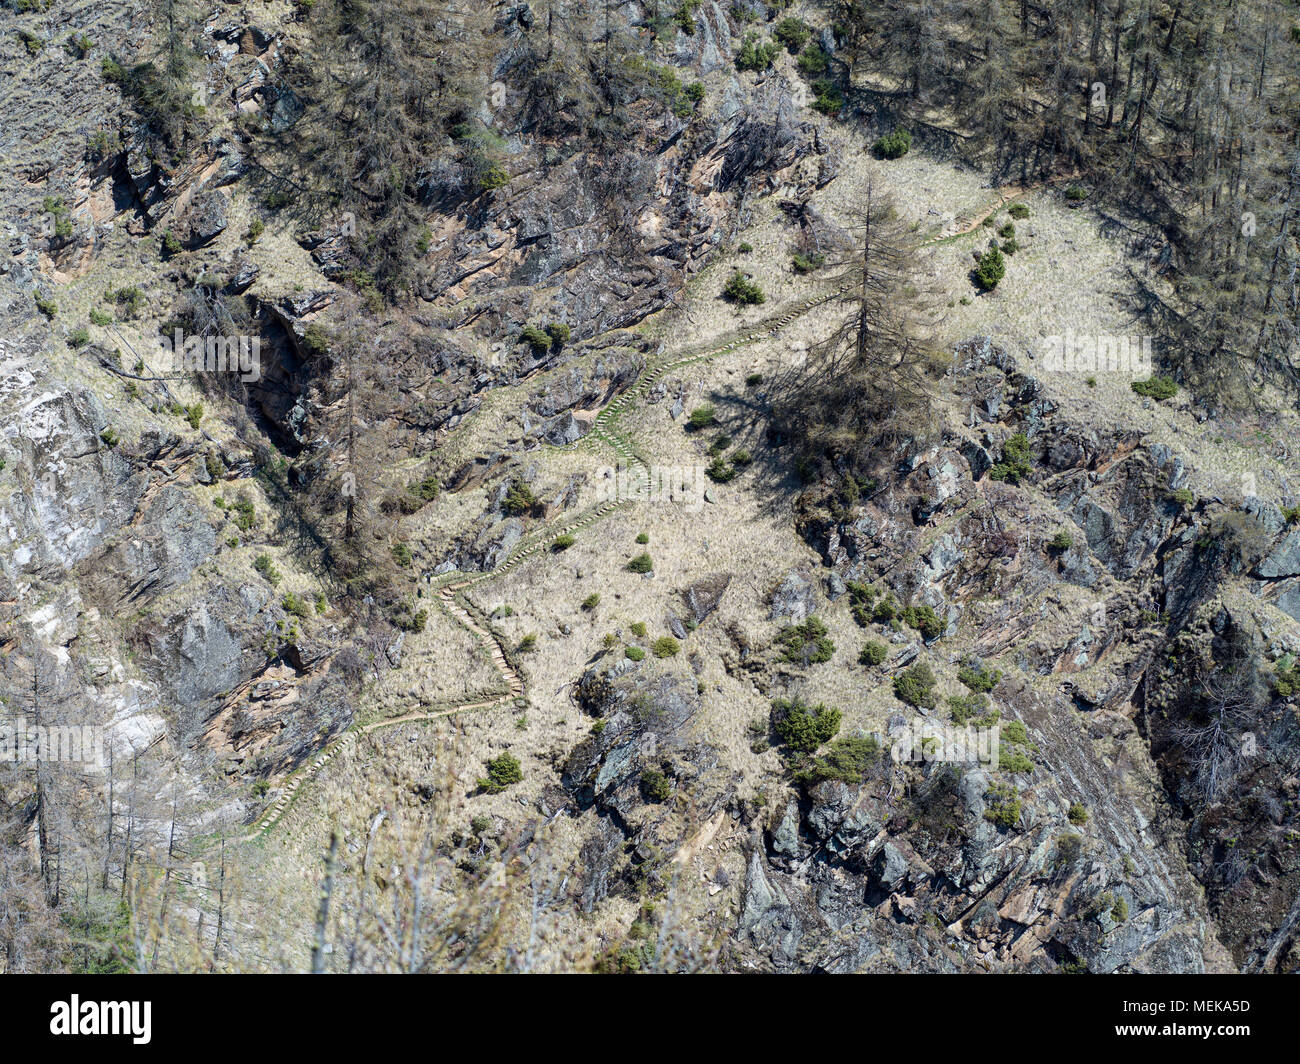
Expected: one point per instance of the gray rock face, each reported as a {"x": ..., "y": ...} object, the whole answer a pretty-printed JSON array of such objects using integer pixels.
[
  {"x": 208, "y": 216},
  {"x": 564, "y": 430},
  {"x": 647, "y": 725},
  {"x": 977, "y": 458},
  {"x": 794, "y": 599},
  {"x": 204, "y": 656},
  {"x": 1284, "y": 560},
  {"x": 1288, "y": 601},
  {"x": 944, "y": 475},
  {"x": 640, "y": 722},
  {"x": 173, "y": 539},
  {"x": 841, "y": 816},
  {"x": 889, "y": 867},
  {"x": 493, "y": 546},
  {"x": 835, "y": 586},
  {"x": 761, "y": 898},
  {"x": 785, "y": 836}
]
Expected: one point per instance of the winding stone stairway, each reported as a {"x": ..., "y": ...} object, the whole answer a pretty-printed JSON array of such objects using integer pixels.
[{"x": 449, "y": 586}]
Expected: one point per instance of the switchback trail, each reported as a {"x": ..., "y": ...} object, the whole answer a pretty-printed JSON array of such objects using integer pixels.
[{"x": 604, "y": 431}]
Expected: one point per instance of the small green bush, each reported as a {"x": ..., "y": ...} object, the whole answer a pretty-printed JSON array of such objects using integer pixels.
[
  {"x": 701, "y": 417},
  {"x": 925, "y": 621},
  {"x": 79, "y": 337},
  {"x": 1012, "y": 760},
  {"x": 263, "y": 564},
  {"x": 808, "y": 263},
  {"x": 642, "y": 563},
  {"x": 665, "y": 647},
  {"x": 1286, "y": 678},
  {"x": 103, "y": 143},
  {"x": 1061, "y": 542},
  {"x": 990, "y": 270},
  {"x": 806, "y": 643},
  {"x": 977, "y": 676},
  {"x": 655, "y": 786},
  {"x": 502, "y": 772},
  {"x": 535, "y": 337},
  {"x": 559, "y": 333},
  {"x": 965, "y": 708},
  {"x": 99, "y": 317},
  {"x": 884, "y": 611},
  {"x": 402, "y": 555},
  {"x": 519, "y": 499},
  {"x": 1018, "y": 210},
  {"x": 563, "y": 541},
  {"x": 643, "y": 537},
  {"x": 755, "y": 54},
  {"x": 1014, "y": 466},
  {"x": 1002, "y": 805},
  {"x": 418, "y": 494},
  {"x": 1155, "y": 388},
  {"x": 46, "y": 305},
  {"x": 1078, "y": 813},
  {"x": 130, "y": 298},
  {"x": 802, "y": 727},
  {"x": 684, "y": 16},
  {"x": 635, "y": 653},
  {"x": 245, "y": 514},
  {"x": 847, "y": 760},
  {"x": 862, "y": 598},
  {"x": 827, "y": 97},
  {"x": 915, "y": 686},
  {"x": 873, "y": 653},
  {"x": 296, "y": 605},
  {"x": 814, "y": 62},
  {"x": 793, "y": 33},
  {"x": 409, "y": 621},
  {"x": 893, "y": 145},
  {"x": 591, "y": 601},
  {"x": 740, "y": 289},
  {"x": 720, "y": 471}
]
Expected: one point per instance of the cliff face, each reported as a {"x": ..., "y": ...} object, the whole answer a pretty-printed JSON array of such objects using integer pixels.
[{"x": 174, "y": 570}]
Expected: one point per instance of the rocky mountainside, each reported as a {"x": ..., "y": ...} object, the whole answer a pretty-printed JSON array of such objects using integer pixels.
[{"x": 510, "y": 591}]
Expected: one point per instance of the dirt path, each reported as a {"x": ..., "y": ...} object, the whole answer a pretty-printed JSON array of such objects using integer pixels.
[{"x": 1006, "y": 194}]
